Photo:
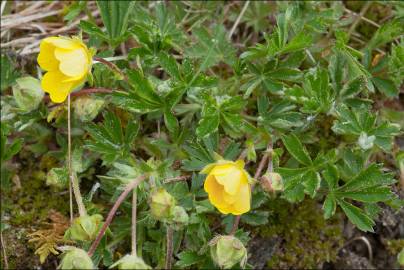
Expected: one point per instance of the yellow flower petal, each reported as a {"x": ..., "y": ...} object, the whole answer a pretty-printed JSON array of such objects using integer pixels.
[
  {"x": 242, "y": 204},
  {"x": 228, "y": 198},
  {"x": 53, "y": 83},
  {"x": 73, "y": 63},
  {"x": 231, "y": 180},
  {"x": 63, "y": 43},
  {"x": 46, "y": 58},
  {"x": 214, "y": 191}
]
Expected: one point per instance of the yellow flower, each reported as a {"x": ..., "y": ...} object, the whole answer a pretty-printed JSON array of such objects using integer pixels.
[
  {"x": 228, "y": 186},
  {"x": 67, "y": 62}
]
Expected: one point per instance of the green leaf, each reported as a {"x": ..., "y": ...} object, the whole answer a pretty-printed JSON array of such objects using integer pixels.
[
  {"x": 331, "y": 176},
  {"x": 311, "y": 182},
  {"x": 371, "y": 177},
  {"x": 92, "y": 29},
  {"x": 369, "y": 195},
  {"x": 255, "y": 218},
  {"x": 188, "y": 258},
  {"x": 209, "y": 122},
  {"x": 357, "y": 216},
  {"x": 115, "y": 15},
  {"x": 385, "y": 86},
  {"x": 296, "y": 149},
  {"x": 143, "y": 88},
  {"x": 329, "y": 206},
  {"x": 170, "y": 121},
  {"x": 170, "y": 65}
]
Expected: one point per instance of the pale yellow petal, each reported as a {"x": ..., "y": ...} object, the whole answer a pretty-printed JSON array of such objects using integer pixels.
[
  {"x": 240, "y": 164},
  {"x": 222, "y": 169},
  {"x": 214, "y": 191},
  {"x": 73, "y": 63},
  {"x": 63, "y": 43},
  {"x": 231, "y": 180},
  {"x": 242, "y": 204},
  {"x": 227, "y": 209},
  {"x": 53, "y": 83},
  {"x": 46, "y": 58}
]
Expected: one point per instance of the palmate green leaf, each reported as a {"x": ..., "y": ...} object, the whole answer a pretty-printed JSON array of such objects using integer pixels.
[
  {"x": 368, "y": 195},
  {"x": 209, "y": 122},
  {"x": 211, "y": 48},
  {"x": 386, "y": 86},
  {"x": 188, "y": 258},
  {"x": 362, "y": 124},
  {"x": 170, "y": 65},
  {"x": 386, "y": 33},
  {"x": 371, "y": 177},
  {"x": 279, "y": 116},
  {"x": 115, "y": 15},
  {"x": 109, "y": 139},
  {"x": 357, "y": 216},
  {"x": 296, "y": 149}
]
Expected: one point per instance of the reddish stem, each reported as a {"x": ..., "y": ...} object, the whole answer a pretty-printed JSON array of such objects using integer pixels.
[
  {"x": 111, "y": 66},
  {"x": 86, "y": 91},
  {"x": 112, "y": 212}
]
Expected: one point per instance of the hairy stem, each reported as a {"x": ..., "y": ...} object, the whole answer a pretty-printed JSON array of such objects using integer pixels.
[
  {"x": 169, "y": 247},
  {"x": 74, "y": 184},
  {"x": 133, "y": 231},
  {"x": 111, "y": 66},
  {"x": 112, "y": 212},
  {"x": 69, "y": 158}
]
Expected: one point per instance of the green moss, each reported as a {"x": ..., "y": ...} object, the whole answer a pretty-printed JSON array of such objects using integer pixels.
[
  {"x": 309, "y": 240},
  {"x": 395, "y": 246},
  {"x": 30, "y": 204}
]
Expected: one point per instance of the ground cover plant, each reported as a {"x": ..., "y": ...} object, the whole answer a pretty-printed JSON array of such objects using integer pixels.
[{"x": 190, "y": 134}]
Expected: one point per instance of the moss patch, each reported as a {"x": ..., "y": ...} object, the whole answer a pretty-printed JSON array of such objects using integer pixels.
[{"x": 307, "y": 239}]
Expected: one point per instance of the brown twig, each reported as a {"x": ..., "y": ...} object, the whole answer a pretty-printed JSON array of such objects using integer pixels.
[
  {"x": 176, "y": 179},
  {"x": 112, "y": 212},
  {"x": 169, "y": 249}
]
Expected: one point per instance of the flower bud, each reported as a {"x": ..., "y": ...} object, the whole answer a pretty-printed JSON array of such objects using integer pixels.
[
  {"x": 227, "y": 250},
  {"x": 87, "y": 108},
  {"x": 180, "y": 218},
  {"x": 130, "y": 262},
  {"x": 161, "y": 204},
  {"x": 271, "y": 182},
  {"x": 75, "y": 258},
  {"x": 84, "y": 228},
  {"x": 27, "y": 93}
]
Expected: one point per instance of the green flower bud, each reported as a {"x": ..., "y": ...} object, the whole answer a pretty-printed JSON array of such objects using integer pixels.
[
  {"x": 180, "y": 218},
  {"x": 227, "y": 250},
  {"x": 162, "y": 204},
  {"x": 271, "y": 182},
  {"x": 75, "y": 258},
  {"x": 87, "y": 108},
  {"x": 400, "y": 257},
  {"x": 130, "y": 262},
  {"x": 27, "y": 93},
  {"x": 84, "y": 228},
  {"x": 58, "y": 177}
]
